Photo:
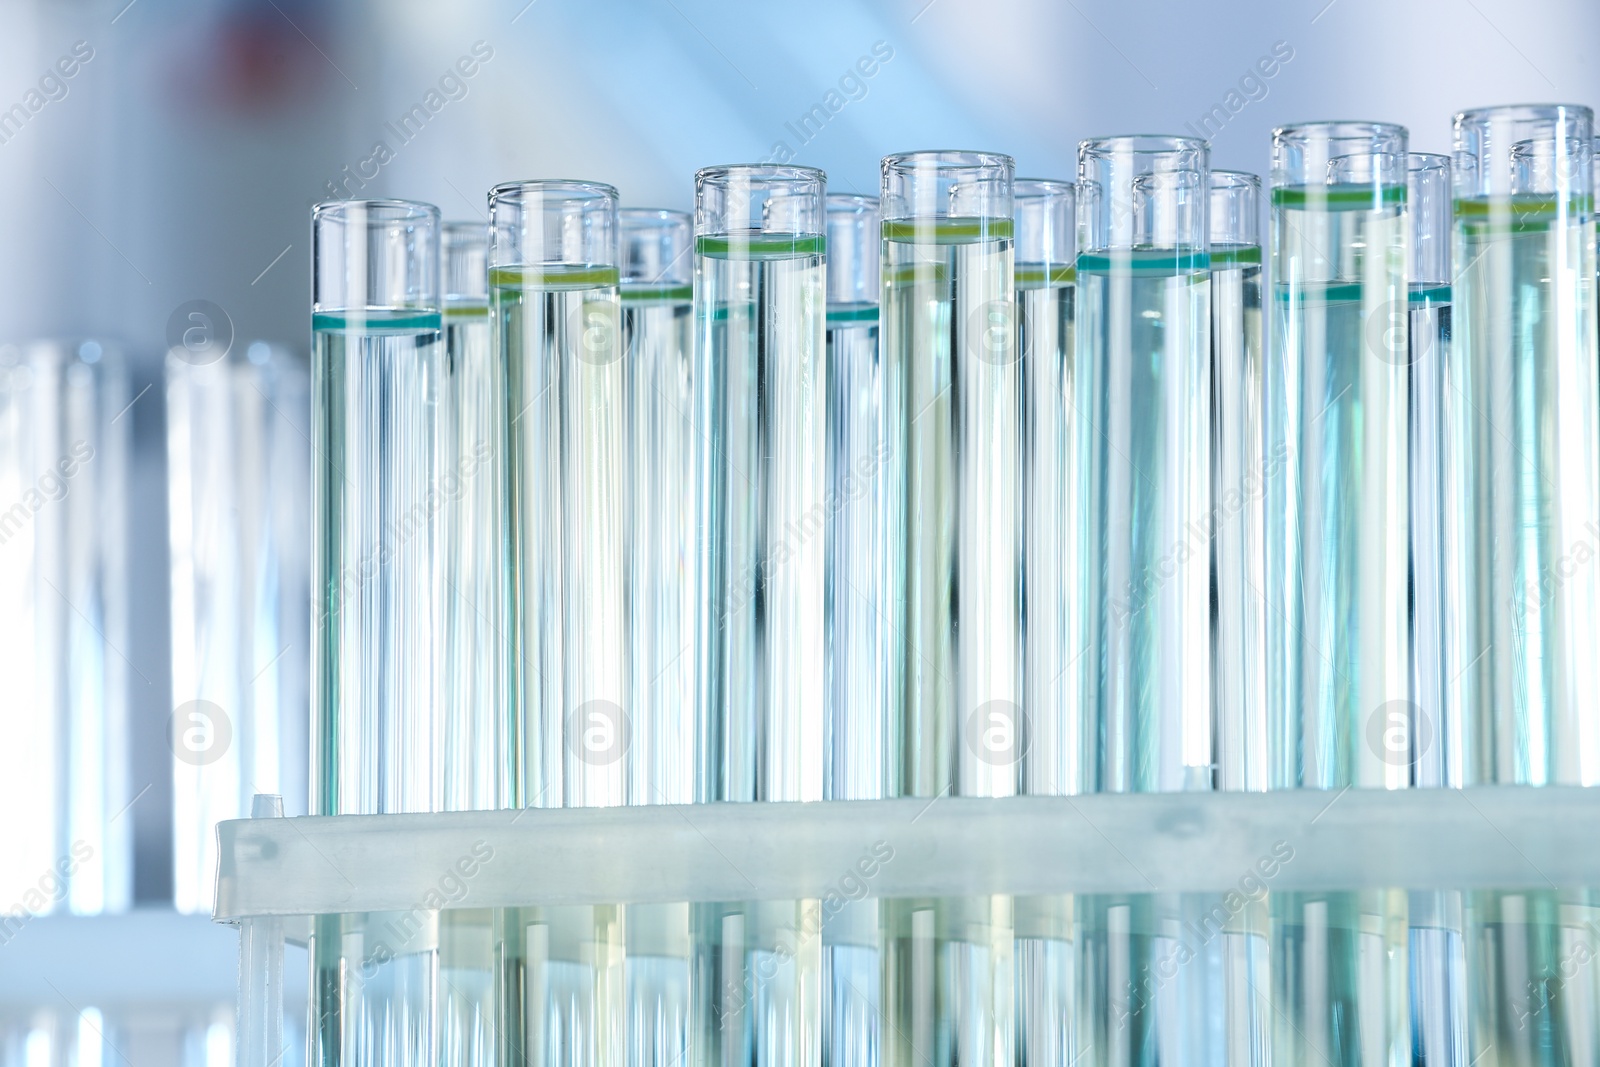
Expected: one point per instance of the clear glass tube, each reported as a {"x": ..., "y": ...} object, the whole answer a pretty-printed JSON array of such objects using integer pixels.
[
  {"x": 861, "y": 734},
  {"x": 64, "y": 442},
  {"x": 955, "y": 393},
  {"x": 555, "y": 314},
  {"x": 1525, "y": 523},
  {"x": 1144, "y": 347},
  {"x": 1241, "y": 467},
  {"x": 238, "y": 433},
  {"x": 657, "y": 289},
  {"x": 1340, "y": 251},
  {"x": 1437, "y": 962},
  {"x": 1054, "y": 468},
  {"x": 1054, "y": 562},
  {"x": 380, "y": 524},
  {"x": 476, "y": 729},
  {"x": 1340, "y": 240},
  {"x": 1535, "y": 977},
  {"x": 761, "y": 399},
  {"x": 378, "y": 517}
]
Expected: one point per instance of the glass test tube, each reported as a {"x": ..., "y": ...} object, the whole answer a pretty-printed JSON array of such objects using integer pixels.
[
  {"x": 64, "y": 775},
  {"x": 953, "y": 397},
  {"x": 1340, "y": 238},
  {"x": 861, "y": 738},
  {"x": 1241, "y": 467},
  {"x": 1437, "y": 960},
  {"x": 555, "y": 314},
  {"x": 1340, "y": 241},
  {"x": 476, "y": 730},
  {"x": 379, "y": 520},
  {"x": 1045, "y": 220},
  {"x": 238, "y": 427},
  {"x": 1144, "y": 356},
  {"x": 955, "y": 389},
  {"x": 1144, "y": 337},
  {"x": 1524, "y": 446},
  {"x": 762, "y": 404},
  {"x": 1535, "y": 977},
  {"x": 657, "y": 288},
  {"x": 761, "y": 401}
]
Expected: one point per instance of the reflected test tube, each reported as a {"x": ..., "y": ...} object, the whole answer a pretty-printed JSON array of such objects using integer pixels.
[
  {"x": 1241, "y": 467},
  {"x": 1144, "y": 350},
  {"x": 761, "y": 400},
  {"x": 955, "y": 393},
  {"x": 378, "y": 517},
  {"x": 657, "y": 291},
  {"x": 1340, "y": 240},
  {"x": 1526, "y": 456},
  {"x": 1054, "y": 481}
]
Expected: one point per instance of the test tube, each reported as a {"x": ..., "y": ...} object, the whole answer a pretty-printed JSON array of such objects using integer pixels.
[
  {"x": 657, "y": 291},
  {"x": 555, "y": 312},
  {"x": 861, "y": 739},
  {"x": 1144, "y": 352},
  {"x": 476, "y": 729},
  {"x": 380, "y": 524},
  {"x": 953, "y": 396},
  {"x": 238, "y": 432},
  {"x": 1144, "y": 358},
  {"x": 1241, "y": 467},
  {"x": 1437, "y": 960},
  {"x": 1340, "y": 248},
  {"x": 949, "y": 355},
  {"x": 555, "y": 318},
  {"x": 761, "y": 400},
  {"x": 657, "y": 256},
  {"x": 1045, "y": 220},
  {"x": 377, "y": 513},
  {"x": 64, "y": 774},
  {"x": 1526, "y": 449}
]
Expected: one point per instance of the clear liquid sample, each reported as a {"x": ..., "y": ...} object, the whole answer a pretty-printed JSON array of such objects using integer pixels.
[
  {"x": 1339, "y": 978},
  {"x": 561, "y": 986},
  {"x": 557, "y": 328},
  {"x": 1524, "y": 524},
  {"x": 861, "y": 733},
  {"x": 476, "y": 729},
  {"x": 658, "y": 357},
  {"x": 375, "y": 993},
  {"x": 63, "y": 617},
  {"x": 1144, "y": 344},
  {"x": 1535, "y": 978},
  {"x": 852, "y": 980},
  {"x": 466, "y": 988},
  {"x": 1055, "y": 562},
  {"x": 762, "y": 402},
  {"x": 1339, "y": 262},
  {"x": 380, "y": 522},
  {"x": 240, "y": 530},
  {"x": 1242, "y": 468},
  {"x": 1045, "y": 991},
  {"x": 1439, "y": 999},
  {"x": 955, "y": 386},
  {"x": 658, "y": 976},
  {"x": 1435, "y": 597}
]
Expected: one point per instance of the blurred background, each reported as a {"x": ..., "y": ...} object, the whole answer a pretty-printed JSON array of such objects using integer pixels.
[{"x": 158, "y": 163}]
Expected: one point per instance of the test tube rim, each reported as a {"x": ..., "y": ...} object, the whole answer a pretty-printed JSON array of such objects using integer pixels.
[
  {"x": 1523, "y": 113},
  {"x": 1143, "y": 144},
  {"x": 1232, "y": 179},
  {"x": 763, "y": 171},
  {"x": 1042, "y": 188},
  {"x": 412, "y": 209},
  {"x": 630, "y": 219},
  {"x": 858, "y": 201},
  {"x": 1340, "y": 130},
  {"x": 948, "y": 158}
]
